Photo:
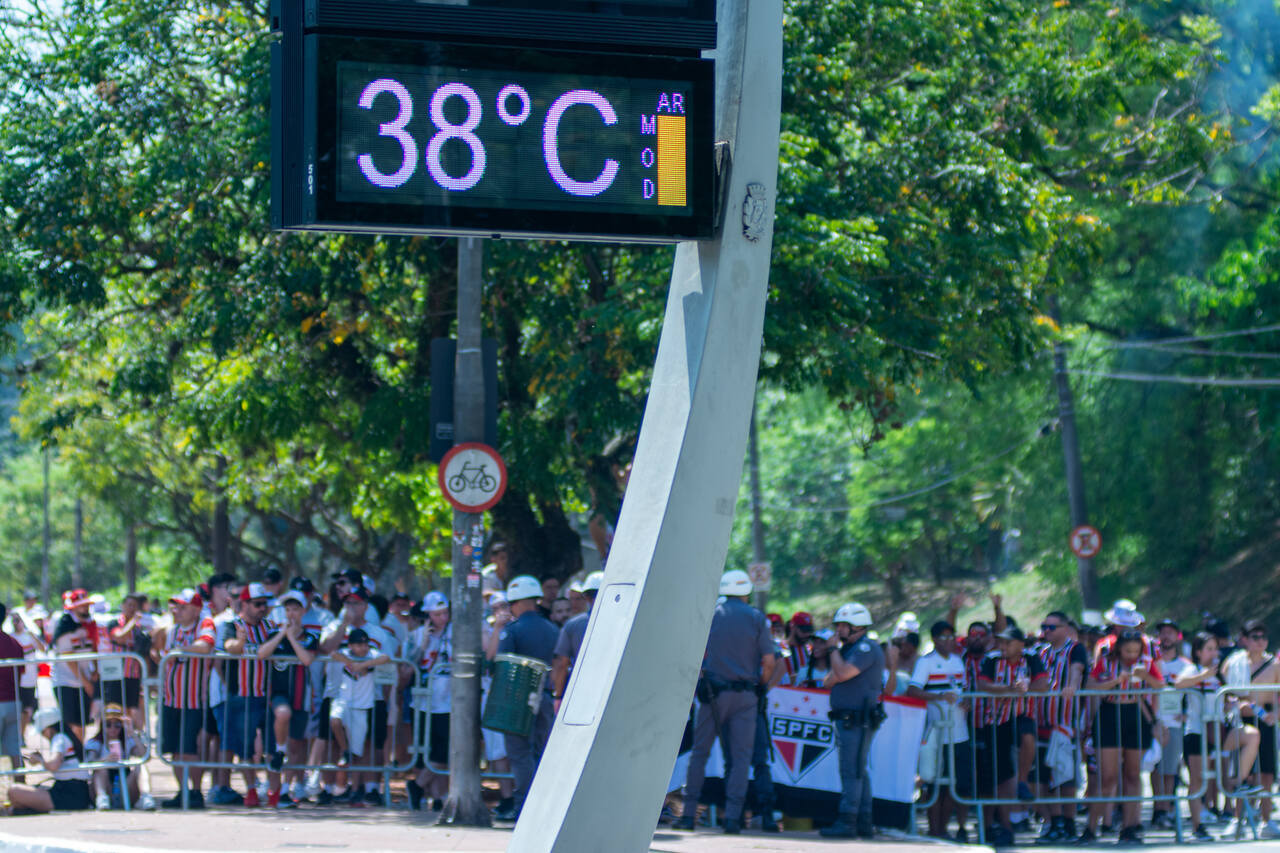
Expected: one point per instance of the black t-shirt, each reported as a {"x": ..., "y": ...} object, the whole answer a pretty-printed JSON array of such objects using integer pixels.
[{"x": 290, "y": 679}]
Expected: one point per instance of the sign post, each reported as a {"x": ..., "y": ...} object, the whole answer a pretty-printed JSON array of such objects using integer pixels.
[{"x": 1086, "y": 542}]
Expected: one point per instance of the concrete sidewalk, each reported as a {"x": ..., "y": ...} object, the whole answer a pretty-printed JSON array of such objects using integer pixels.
[{"x": 381, "y": 831}]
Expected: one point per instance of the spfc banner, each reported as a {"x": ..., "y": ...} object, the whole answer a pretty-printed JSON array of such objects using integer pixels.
[{"x": 805, "y": 766}]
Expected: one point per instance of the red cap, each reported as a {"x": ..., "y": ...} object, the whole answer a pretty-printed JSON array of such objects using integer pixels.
[
  {"x": 187, "y": 596},
  {"x": 73, "y": 598},
  {"x": 801, "y": 619},
  {"x": 775, "y": 618}
]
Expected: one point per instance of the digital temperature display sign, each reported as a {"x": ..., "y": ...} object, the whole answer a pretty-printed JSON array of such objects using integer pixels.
[{"x": 413, "y": 137}]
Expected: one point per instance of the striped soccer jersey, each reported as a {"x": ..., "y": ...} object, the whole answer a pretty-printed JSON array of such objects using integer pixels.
[
  {"x": 998, "y": 670},
  {"x": 248, "y": 676},
  {"x": 935, "y": 674},
  {"x": 1056, "y": 712},
  {"x": 184, "y": 678}
]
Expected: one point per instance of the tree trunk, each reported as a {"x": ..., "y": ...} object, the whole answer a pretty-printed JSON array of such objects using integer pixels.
[{"x": 131, "y": 557}]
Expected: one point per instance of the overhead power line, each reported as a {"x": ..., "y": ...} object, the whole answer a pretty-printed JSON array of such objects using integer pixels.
[
  {"x": 1190, "y": 339},
  {"x": 1221, "y": 381}
]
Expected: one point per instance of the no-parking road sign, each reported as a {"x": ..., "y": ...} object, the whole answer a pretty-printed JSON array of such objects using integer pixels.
[
  {"x": 1086, "y": 541},
  {"x": 472, "y": 477}
]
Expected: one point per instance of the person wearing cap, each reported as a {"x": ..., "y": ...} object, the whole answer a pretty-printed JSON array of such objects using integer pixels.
[
  {"x": 114, "y": 743},
  {"x": 75, "y": 682},
  {"x": 572, "y": 633},
  {"x": 1014, "y": 673},
  {"x": 433, "y": 650},
  {"x": 184, "y": 690},
  {"x": 739, "y": 657},
  {"x": 352, "y": 713},
  {"x": 247, "y": 682},
  {"x": 796, "y": 653},
  {"x": 938, "y": 680},
  {"x": 130, "y": 632},
  {"x": 1252, "y": 663},
  {"x": 528, "y": 635},
  {"x": 856, "y": 679},
  {"x": 577, "y": 601},
  {"x": 1164, "y": 776},
  {"x": 356, "y": 613},
  {"x": 1123, "y": 616},
  {"x": 289, "y": 688},
  {"x": 70, "y": 789},
  {"x": 1065, "y": 662}
]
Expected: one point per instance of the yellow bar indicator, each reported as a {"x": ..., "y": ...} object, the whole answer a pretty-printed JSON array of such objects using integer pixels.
[{"x": 671, "y": 160}]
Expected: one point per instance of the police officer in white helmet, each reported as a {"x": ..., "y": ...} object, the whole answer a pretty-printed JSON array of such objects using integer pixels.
[
  {"x": 855, "y": 679},
  {"x": 739, "y": 656}
]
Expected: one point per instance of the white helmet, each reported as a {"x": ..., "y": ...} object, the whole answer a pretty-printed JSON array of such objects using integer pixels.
[
  {"x": 853, "y": 614},
  {"x": 522, "y": 587},
  {"x": 593, "y": 582},
  {"x": 735, "y": 582}
]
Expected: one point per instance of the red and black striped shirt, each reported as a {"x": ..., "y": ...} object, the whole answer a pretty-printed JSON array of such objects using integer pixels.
[
  {"x": 186, "y": 679},
  {"x": 1056, "y": 712},
  {"x": 248, "y": 676},
  {"x": 999, "y": 670}
]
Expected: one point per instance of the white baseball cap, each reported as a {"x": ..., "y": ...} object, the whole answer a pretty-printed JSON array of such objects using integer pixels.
[
  {"x": 593, "y": 582},
  {"x": 435, "y": 600},
  {"x": 292, "y": 595},
  {"x": 522, "y": 587}
]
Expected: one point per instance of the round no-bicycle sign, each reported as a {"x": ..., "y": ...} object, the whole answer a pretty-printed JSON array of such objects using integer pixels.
[
  {"x": 472, "y": 477},
  {"x": 1086, "y": 541}
]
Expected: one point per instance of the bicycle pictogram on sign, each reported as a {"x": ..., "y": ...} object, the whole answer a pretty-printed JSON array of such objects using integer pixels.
[{"x": 472, "y": 477}]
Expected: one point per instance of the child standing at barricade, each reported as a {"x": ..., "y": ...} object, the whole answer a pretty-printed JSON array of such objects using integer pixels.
[
  {"x": 289, "y": 688},
  {"x": 351, "y": 715}
]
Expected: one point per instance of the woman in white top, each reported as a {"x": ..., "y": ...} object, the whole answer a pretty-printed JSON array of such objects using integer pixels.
[{"x": 62, "y": 757}]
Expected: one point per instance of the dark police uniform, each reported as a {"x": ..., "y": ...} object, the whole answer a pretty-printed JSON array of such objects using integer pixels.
[
  {"x": 531, "y": 636},
  {"x": 738, "y": 640},
  {"x": 855, "y": 709}
]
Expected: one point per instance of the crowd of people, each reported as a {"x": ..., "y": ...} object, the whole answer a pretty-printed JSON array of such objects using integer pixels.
[
  {"x": 1006, "y": 720},
  {"x": 309, "y": 695},
  {"x": 321, "y": 696}
]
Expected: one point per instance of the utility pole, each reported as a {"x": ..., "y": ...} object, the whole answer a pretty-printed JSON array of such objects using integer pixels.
[
  {"x": 465, "y": 805},
  {"x": 1074, "y": 468},
  {"x": 77, "y": 562},
  {"x": 757, "y": 526},
  {"x": 44, "y": 560}
]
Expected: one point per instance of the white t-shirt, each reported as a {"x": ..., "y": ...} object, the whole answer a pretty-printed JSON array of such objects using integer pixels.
[
  {"x": 357, "y": 691},
  {"x": 436, "y": 665},
  {"x": 935, "y": 674},
  {"x": 28, "y": 644},
  {"x": 1172, "y": 670},
  {"x": 380, "y": 642},
  {"x": 70, "y": 767},
  {"x": 75, "y": 642}
]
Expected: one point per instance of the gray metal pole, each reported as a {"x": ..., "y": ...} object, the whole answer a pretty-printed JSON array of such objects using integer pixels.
[
  {"x": 1074, "y": 468},
  {"x": 44, "y": 558},
  {"x": 757, "y": 525},
  {"x": 601, "y": 782},
  {"x": 77, "y": 562},
  {"x": 465, "y": 805}
]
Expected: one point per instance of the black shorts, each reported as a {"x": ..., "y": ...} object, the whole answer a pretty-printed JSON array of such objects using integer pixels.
[
  {"x": 213, "y": 725},
  {"x": 180, "y": 729},
  {"x": 1266, "y": 748},
  {"x": 963, "y": 775},
  {"x": 27, "y": 695},
  {"x": 74, "y": 705},
  {"x": 298, "y": 719},
  {"x": 1026, "y": 726},
  {"x": 1121, "y": 727},
  {"x": 322, "y": 730},
  {"x": 993, "y": 756},
  {"x": 434, "y": 729},
  {"x": 378, "y": 723},
  {"x": 126, "y": 692},
  {"x": 1192, "y": 745},
  {"x": 70, "y": 795}
]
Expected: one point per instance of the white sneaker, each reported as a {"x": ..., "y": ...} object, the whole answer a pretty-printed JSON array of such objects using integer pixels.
[
  {"x": 1270, "y": 829},
  {"x": 298, "y": 792},
  {"x": 1232, "y": 830},
  {"x": 146, "y": 802},
  {"x": 103, "y": 803}
]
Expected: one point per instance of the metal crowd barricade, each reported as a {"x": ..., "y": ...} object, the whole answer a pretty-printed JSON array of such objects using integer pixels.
[
  {"x": 421, "y": 748},
  {"x": 1088, "y": 730},
  {"x": 1227, "y": 717},
  {"x": 109, "y": 682},
  {"x": 256, "y": 733}
]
